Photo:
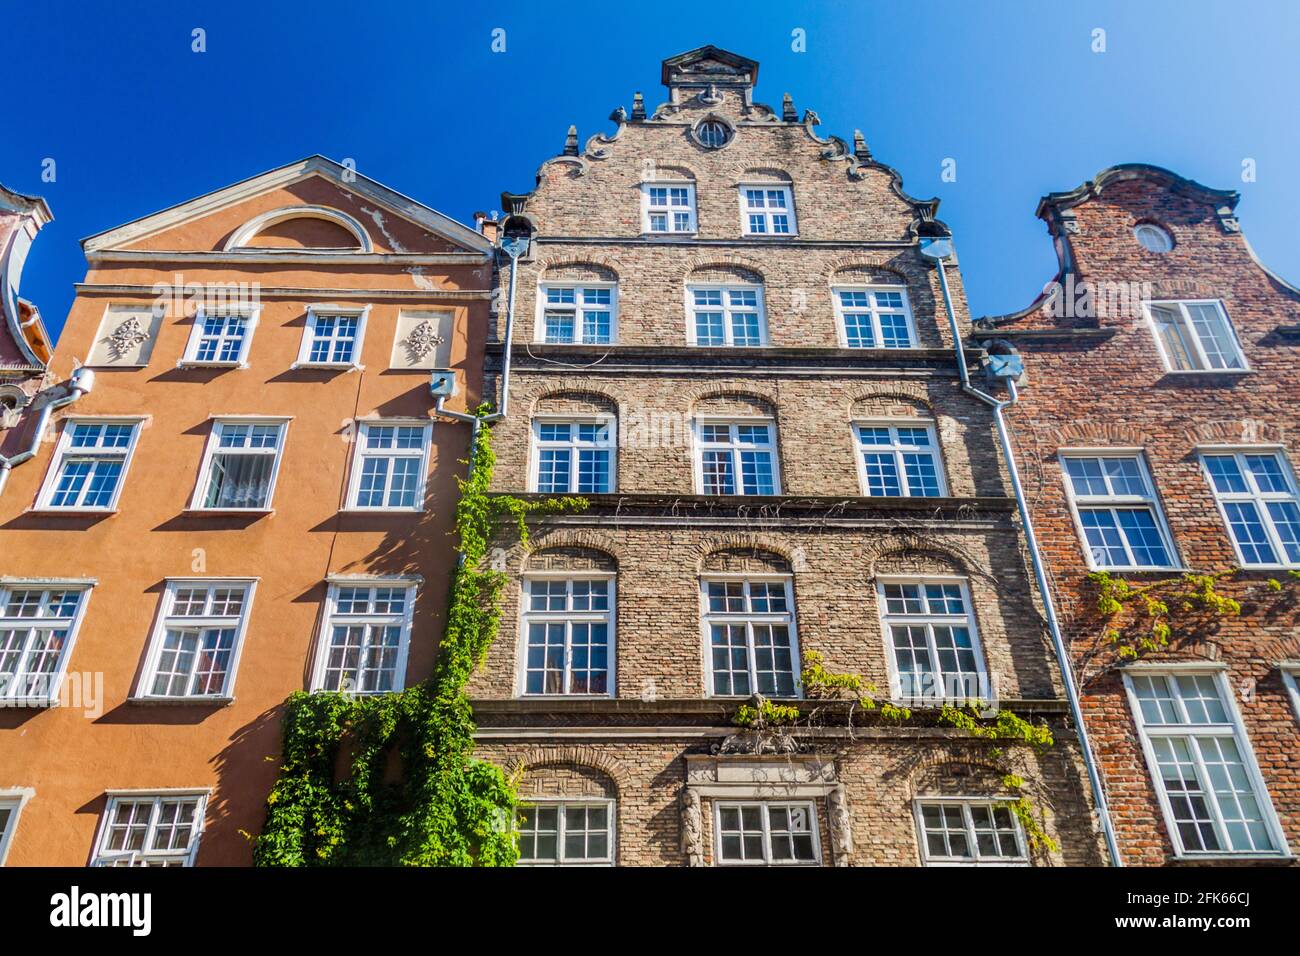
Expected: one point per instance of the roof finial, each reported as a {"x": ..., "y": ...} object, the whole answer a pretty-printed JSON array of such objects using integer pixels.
[
  {"x": 638, "y": 106},
  {"x": 788, "y": 112},
  {"x": 571, "y": 142},
  {"x": 860, "y": 146}
]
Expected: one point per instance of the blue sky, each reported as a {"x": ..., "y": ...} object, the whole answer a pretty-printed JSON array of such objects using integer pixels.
[{"x": 135, "y": 121}]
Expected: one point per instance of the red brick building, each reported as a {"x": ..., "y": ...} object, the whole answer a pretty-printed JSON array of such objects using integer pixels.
[{"x": 1157, "y": 430}]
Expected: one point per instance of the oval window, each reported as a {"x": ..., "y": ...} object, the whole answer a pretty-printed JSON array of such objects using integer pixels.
[
  {"x": 713, "y": 134},
  {"x": 1153, "y": 238}
]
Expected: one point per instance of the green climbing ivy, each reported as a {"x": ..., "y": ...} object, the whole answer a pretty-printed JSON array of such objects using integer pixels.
[
  {"x": 767, "y": 714},
  {"x": 1138, "y": 619},
  {"x": 820, "y": 683},
  {"x": 391, "y": 779}
]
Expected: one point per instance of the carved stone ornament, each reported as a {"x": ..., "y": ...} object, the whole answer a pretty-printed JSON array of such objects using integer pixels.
[
  {"x": 760, "y": 738},
  {"x": 692, "y": 827},
  {"x": 422, "y": 340},
  {"x": 128, "y": 336},
  {"x": 710, "y": 96},
  {"x": 840, "y": 826}
]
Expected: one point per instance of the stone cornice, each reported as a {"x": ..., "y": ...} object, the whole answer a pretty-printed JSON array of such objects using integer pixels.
[
  {"x": 108, "y": 288},
  {"x": 595, "y": 360},
  {"x": 753, "y": 511},
  {"x": 294, "y": 256},
  {"x": 1064, "y": 336},
  {"x": 712, "y": 713}
]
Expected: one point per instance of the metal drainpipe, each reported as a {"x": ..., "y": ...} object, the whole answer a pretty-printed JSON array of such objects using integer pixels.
[
  {"x": 939, "y": 250},
  {"x": 514, "y": 248},
  {"x": 82, "y": 381}
]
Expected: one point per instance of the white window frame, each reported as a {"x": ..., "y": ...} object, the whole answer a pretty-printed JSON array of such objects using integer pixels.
[
  {"x": 1235, "y": 729},
  {"x": 746, "y": 212},
  {"x": 1291, "y": 681},
  {"x": 735, "y": 447},
  {"x": 728, "y": 322},
  {"x": 360, "y": 453},
  {"x": 1255, "y": 496},
  {"x": 9, "y": 585},
  {"x": 528, "y": 616},
  {"x": 789, "y": 618},
  {"x": 928, "y": 620},
  {"x": 966, "y": 803},
  {"x": 331, "y": 616},
  {"x": 578, "y": 307},
  {"x": 669, "y": 209},
  {"x": 1116, "y": 503},
  {"x": 611, "y": 808},
  {"x": 13, "y": 799},
  {"x": 765, "y": 806},
  {"x": 607, "y": 421},
  {"x": 877, "y": 332},
  {"x": 102, "y": 856},
  {"x": 212, "y": 448},
  {"x": 190, "y": 358},
  {"x": 1193, "y": 339},
  {"x": 64, "y": 450},
  {"x": 898, "y": 449},
  {"x": 166, "y": 618},
  {"x": 359, "y": 312}
]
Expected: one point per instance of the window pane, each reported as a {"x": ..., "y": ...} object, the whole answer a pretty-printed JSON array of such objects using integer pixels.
[
  {"x": 1248, "y": 531},
  {"x": 1170, "y": 329},
  {"x": 1214, "y": 336},
  {"x": 1139, "y": 527}
]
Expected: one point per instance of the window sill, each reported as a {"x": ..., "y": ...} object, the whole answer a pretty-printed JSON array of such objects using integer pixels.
[
  {"x": 648, "y": 234},
  {"x": 219, "y": 512},
  {"x": 1172, "y": 569},
  {"x": 26, "y": 703},
  {"x": 212, "y": 365},
  {"x": 570, "y": 345},
  {"x": 1207, "y": 372},
  {"x": 381, "y": 511},
  {"x": 357, "y": 693},
  {"x": 1280, "y": 857},
  {"x": 327, "y": 366},
  {"x": 939, "y": 864},
  {"x": 72, "y": 512},
  {"x": 564, "y": 696},
  {"x": 214, "y": 700}
]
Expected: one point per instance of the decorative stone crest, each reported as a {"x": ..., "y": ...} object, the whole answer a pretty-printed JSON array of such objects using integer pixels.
[
  {"x": 759, "y": 738},
  {"x": 128, "y": 336},
  {"x": 422, "y": 340}
]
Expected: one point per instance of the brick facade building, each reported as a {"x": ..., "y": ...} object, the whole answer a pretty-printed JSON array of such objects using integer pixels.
[
  {"x": 726, "y": 339},
  {"x": 1157, "y": 433}
]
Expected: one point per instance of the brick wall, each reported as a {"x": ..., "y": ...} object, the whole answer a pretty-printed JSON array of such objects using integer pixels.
[
  {"x": 855, "y": 225},
  {"x": 1102, "y": 384}
]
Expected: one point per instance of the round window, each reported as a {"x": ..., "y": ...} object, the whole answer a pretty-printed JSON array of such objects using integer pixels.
[
  {"x": 713, "y": 134},
  {"x": 1153, "y": 238}
]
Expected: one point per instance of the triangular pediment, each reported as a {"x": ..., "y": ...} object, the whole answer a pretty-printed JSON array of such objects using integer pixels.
[
  {"x": 709, "y": 64},
  {"x": 389, "y": 221}
]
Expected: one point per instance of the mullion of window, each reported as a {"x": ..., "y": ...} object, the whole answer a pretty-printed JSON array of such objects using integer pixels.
[
  {"x": 1189, "y": 734},
  {"x": 1268, "y": 502},
  {"x": 748, "y": 618},
  {"x": 31, "y": 647},
  {"x": 1122, "y": 506}
]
